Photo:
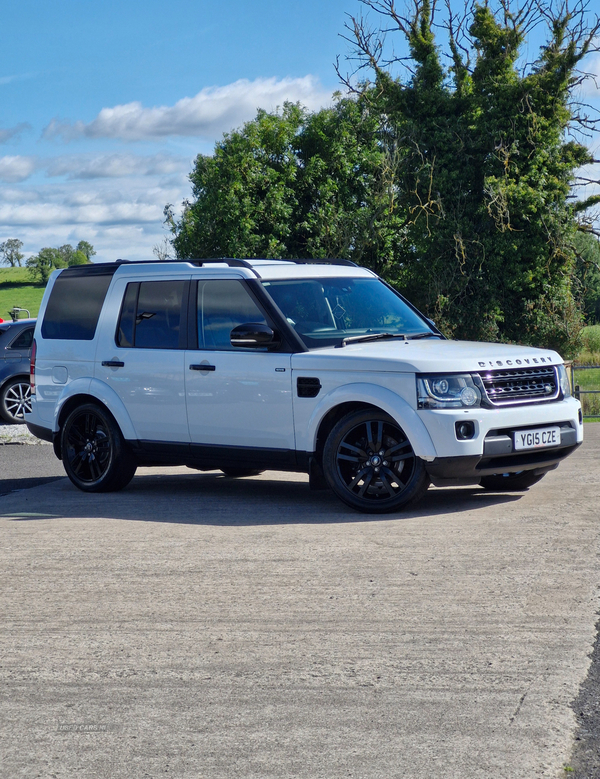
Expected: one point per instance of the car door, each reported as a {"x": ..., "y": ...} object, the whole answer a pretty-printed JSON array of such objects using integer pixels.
[
  {"x": 236, "y": 397},
  {"x": 19, "y": 349},
  {"x": 145, "y": 363}
]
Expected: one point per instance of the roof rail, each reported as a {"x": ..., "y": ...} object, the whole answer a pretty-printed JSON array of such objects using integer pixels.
[
  {"x": 325, "y": 261},
  {"x": 234, "y": 262}
]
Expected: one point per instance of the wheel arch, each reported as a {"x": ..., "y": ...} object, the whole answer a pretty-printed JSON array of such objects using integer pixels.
[
  {"x": 93, "y": 392},
  {"x": 354, "y": 397},
  {"x": 12, "y": 377}
]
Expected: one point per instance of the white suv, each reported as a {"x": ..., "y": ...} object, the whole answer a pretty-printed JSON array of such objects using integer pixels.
[{"x": 318, "y": 367}]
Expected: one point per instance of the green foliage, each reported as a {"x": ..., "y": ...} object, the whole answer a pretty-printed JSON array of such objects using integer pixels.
[
  {"x": 453, "y": 182},
  {"x": 78, "y": 258},
  {"x": 590, "y": 339},
  {"x": 486, "y": 177},
  {"x": 87, "y": 249},
  {"x": 295, "y": 185},
  {"x": 587, "y": 249},
  {"x": 41, "y": 265},
  {"x": 10, "y": 252}
]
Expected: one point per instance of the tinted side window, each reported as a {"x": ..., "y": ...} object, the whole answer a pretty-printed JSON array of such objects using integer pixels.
[
  {"x": 23, "y": 340},
  {"x": 151, "y": 315},
  {"x": 223, "y": 305},
  {"x": 74, "y": 306}
]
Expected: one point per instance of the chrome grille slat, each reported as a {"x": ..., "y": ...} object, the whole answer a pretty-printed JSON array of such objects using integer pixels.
[{"x": 520, "y": 385}]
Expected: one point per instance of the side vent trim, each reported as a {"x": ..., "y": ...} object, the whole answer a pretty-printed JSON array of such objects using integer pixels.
[{"x": 308, "y": 386}]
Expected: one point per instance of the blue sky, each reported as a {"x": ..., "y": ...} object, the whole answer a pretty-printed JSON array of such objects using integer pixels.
[{"x": 104, "y": 105}]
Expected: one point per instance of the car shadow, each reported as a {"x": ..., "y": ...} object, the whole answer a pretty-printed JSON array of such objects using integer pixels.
[{"x": 215, "y": 499}]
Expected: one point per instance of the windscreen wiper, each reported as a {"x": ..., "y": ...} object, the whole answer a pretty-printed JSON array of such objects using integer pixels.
[
  {"x": 416, "y": 336},
  {"x": 355, "y": 339}
]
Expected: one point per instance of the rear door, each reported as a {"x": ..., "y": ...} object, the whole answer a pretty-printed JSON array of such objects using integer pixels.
[{"x": 143, "y": 362}]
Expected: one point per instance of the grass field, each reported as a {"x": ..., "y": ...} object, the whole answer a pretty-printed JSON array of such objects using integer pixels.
[
  {"x": 589, "y": 378},
  {"x": 17, "y": 289}
]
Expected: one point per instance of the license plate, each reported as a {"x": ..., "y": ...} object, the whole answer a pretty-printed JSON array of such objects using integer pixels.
[{"x": 538, "y": 438}]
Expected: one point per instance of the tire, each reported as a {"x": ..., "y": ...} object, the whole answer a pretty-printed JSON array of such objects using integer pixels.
[
  {"x": 15, "y": 399},
  {"x": 237, "y": 473},
  {"x": 511, "y": 482},
  {"x": 373, "y": 476},
  {"x": 94, "y": 453}
]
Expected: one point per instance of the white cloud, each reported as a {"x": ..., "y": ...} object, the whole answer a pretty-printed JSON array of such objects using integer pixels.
[
  {"x": 118, "y": 221},
  {"x": 211, "y": 112},
  {"x": 17, "y": 168},
  {"x": 591, "y": 86},
  {"x": 7, "y": 133},
  {"x": 117, "y": 166},
  {"x": 43, "y": 212}
]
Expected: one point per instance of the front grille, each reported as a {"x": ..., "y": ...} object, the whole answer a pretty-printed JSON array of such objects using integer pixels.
[{"x": 520, "y": 385}]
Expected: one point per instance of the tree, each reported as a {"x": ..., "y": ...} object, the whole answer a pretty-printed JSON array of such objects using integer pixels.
[
  {"x": 87, "y": 249},
  {"x": 293, "y": 184},
  {"x": 587, "y": 248},
  {"x": 66, "y": 252},
  {"x": 78, "y": 258},
  {"x": 10, "y": 252},
  {"x": 162, "y": 250},
  {"x": 41, "y": 265},
  {"x": 484, "y": 177}
]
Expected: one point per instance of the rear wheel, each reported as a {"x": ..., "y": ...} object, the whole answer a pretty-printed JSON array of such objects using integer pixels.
[
  {"x": 15, "y": 400},
  {"x": 511, "y": 482},
  {"x": 94, "y": 453},
  {"x": 370, "y": 464}
]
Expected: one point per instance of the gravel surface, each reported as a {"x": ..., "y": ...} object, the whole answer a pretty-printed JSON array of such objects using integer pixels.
[
  {"x": 251, "y": 628},
  {"x": 585, "y": 760},
  {"x": 18, "y": 434}
]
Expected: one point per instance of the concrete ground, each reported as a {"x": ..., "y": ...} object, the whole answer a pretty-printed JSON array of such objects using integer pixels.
[{"x": 199, "y": 626}]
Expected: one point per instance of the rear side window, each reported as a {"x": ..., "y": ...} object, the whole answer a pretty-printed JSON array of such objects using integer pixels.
[
  {"x": 151, "y": 315},
  {"x": 23, "y": 340},
  {"x": 75, "y": 304}
]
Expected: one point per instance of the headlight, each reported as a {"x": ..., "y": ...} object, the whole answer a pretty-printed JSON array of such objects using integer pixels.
[
  {"x": 448, "y": 392},
  {"x": 565, "y": 384}
]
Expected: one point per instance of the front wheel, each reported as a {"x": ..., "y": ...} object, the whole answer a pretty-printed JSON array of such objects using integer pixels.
[
  {"x": 370, "y": 464},
  {"x": 511, "y": 482},
  {"x": 15, "y": 400},
  {"x": 94, "y": 453}
]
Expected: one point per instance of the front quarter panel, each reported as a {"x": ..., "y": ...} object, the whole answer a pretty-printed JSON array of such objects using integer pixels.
[{"x": 371, "y": 394}]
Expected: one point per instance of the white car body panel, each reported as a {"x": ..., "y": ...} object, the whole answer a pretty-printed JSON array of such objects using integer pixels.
[
  {"x": 250, "y": 399},
  {"x": 246, "y": 401}
]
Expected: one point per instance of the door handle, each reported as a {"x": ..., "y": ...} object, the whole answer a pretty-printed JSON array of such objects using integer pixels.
[
  {"x": 202, "y": 367},
  {"x": 113, "y": 364}
]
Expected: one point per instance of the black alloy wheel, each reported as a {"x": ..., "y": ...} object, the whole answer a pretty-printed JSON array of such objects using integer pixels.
[
  {"x": 370, "y": 464},
  {"x": 15, "y": 400},
  {"x": 94, "y": 453},
  {"x": 511, "y": 482}
]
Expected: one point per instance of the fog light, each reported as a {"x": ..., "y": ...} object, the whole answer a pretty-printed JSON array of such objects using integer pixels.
[{"x": 465, "y": 430}]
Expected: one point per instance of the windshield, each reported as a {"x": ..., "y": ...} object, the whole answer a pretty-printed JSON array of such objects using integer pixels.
[{"x": 324, "y": 312}]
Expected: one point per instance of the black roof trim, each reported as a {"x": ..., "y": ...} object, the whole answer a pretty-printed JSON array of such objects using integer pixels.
[
  {"x": 109, "y": 268},
  {"x": 326, "y": 261},
  {"x": 246, "y": 263},
  {"x": 93, "y": 269}
]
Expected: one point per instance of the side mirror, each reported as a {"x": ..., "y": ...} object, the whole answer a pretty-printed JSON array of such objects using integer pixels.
[{"x": 253, "y": 335}]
